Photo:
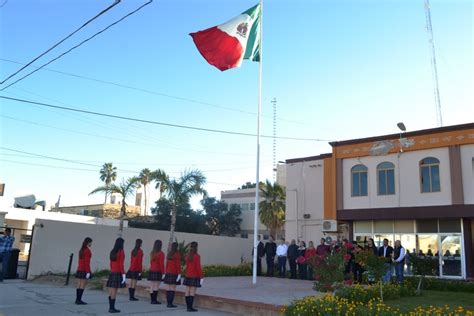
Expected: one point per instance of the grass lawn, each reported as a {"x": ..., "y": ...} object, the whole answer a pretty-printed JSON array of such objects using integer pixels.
[{"x": 434, "y": 298}]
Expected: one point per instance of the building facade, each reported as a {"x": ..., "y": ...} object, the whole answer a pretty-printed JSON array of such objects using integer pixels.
[{"x": 417, "y": 187}]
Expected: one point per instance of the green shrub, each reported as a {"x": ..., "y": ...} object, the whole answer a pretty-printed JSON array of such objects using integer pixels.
[
  {"x": 442, "y": 285},
  {"x": 244, "y": 269},
  {"x": 364, "y": 294}
]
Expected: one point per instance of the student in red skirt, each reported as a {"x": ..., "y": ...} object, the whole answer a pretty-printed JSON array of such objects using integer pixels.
[
  {"x": 157, "y": 269},
  {"x": 83, "y": 269},
  {"x": 194, "y": 276},
  {"x": 117, "y": 273},
  {"x": 134, "y": 273},
  {"x": 173, "y": 273}
]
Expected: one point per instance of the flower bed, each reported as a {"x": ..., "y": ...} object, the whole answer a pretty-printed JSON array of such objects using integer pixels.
[
  {"x": 330, "y": 305},
  {"x": 364, "y": 294}
]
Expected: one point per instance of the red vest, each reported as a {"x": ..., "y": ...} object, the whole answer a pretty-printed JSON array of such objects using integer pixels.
[
  {"x": 193, "y": 268},
  {"x": 173, "y": 265},
  {"x": 117, "y": 265},
  {"x": 157, "y": 262},
  {"x": 84, "y": 264},
  {"x": 136, "y": 261}
]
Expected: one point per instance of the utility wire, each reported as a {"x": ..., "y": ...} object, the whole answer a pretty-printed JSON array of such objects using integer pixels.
[
  {"x": 78, "y": 45},
  {"x": 120, "y": 85},
  {"x": 61, "y": 41},
  {"x": 155, "y": 122}
]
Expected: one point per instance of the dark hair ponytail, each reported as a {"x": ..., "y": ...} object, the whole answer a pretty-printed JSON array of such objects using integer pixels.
[
  {"x": 173, "y": 250},
  {"x": 138, "y": 244},
  {"x": 86, "y": 241},
  {"x": 117, "y": 247},
  {"x": 156, "y": 247}
]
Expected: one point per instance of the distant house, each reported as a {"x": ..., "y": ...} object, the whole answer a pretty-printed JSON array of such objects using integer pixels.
[{"x": 98, "y": 210}]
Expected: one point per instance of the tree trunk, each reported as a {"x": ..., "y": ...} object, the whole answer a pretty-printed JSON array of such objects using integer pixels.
[
  {"x": 381, "y": 290},
  {"x": 173, "y": 223},
  {"x": 123, "y": 211},
  {"x": 146, "y": 208},
  {"x": 105, "y": 202}
]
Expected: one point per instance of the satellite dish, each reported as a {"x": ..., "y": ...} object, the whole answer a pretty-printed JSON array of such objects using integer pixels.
[{"x": 381, "y": 148}]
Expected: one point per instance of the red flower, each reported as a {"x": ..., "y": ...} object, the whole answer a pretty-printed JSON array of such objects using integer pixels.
[{"x": 347, "y": 257}]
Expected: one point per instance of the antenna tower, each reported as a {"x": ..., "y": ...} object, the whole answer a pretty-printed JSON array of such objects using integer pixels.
[
  {"x": 274, "y": 103},
  {"x": 434, "y": 69}
]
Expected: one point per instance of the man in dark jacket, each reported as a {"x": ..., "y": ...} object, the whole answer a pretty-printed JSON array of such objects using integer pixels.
[
  {"x": 260, "y": 255},
  {"x": 292, "y": 255},
  {"x": 270, "y": 252},
  {"x": 386, "y": 252}
]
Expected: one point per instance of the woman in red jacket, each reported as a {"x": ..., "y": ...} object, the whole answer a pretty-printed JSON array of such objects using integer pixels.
[
  {"x": 310, "y": 252},
  {"x": 117, "y": 273},
  {"x": 135, "y": 271},
  {"x": 173, "y": 273},
  {"x": 194, "y": 276},
  {"x": 83, "y": 269},
  {"x": 157, "y": 269}
]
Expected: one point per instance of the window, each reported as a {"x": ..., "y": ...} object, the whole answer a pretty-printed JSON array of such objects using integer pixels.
[
  {"x": 252, "y": 206},
  {"x": 386, "y": 178},
  {"x": 429, "y": 174},
  {"x": 244, "y": 207},
  {"x": 359, "y": 180}
]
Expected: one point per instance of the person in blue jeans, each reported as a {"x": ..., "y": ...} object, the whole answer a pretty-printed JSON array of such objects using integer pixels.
[
  {"x": 6, "y": 244},
  {"x": 386, "y": 251},
  {"x": 399, "y": 260}
]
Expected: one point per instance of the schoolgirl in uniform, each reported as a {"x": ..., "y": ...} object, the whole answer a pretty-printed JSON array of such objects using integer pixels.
[
  {"x": 157, "y": 269},
  {"x": 194, "y": 276},
  {"x": 83, "y": 269},
  {"x": 117, "y": 273},
  {"x": 135, "y": 271},
  {"x": 173, "y": 273}
]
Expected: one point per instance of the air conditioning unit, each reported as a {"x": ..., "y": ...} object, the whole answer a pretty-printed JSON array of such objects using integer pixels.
[
  {"x": 329, "y": 226},
  {"x": 306, "y": 216}
]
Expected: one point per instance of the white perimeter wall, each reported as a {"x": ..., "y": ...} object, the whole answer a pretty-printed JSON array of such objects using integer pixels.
[
  {"x": 467, "y": 165},
  {"x": 407, "y": 171},
  {"x": 55, "y": 241}
]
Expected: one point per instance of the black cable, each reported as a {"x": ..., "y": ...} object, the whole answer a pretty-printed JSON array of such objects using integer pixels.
[
  {"x": 78, "y": 45},
  {"x": 120, "y": 85},
  {"x": 61, "y": 41},
  {"x": 157, "y": 123}
]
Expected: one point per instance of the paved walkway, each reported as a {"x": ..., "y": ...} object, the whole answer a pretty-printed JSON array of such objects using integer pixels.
[
  {"x": 21, "y": 298},
  {"x": 274, "y": 291}
]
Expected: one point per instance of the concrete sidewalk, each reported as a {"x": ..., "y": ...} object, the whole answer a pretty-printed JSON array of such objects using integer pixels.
[{"x": 21, "y": 298}]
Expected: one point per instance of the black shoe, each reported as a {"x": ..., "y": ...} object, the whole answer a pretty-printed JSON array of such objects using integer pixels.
[
  {"x": 169, "y": 299},
  {"x": 131, "y": 293},
  {"x": 189, "y": 303},
  {"x": 112, "y": 308},
  {"x": 80, "y": 303},
  {"x": 79, "y": 300},
  {"x": 154, "y": 298}
]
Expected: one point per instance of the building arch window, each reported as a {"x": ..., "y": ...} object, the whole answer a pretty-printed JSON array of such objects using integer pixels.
[
  {"x": 359, "y": 180},
  {"x": 386, "y": 178},
  {"x": 429, "y": 175}
]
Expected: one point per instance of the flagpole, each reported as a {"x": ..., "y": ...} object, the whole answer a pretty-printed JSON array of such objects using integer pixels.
[{"x": 257, "y": 180}]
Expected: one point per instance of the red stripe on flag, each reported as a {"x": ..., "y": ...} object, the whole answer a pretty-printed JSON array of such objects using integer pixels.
[{"x": 218, "y": 48}]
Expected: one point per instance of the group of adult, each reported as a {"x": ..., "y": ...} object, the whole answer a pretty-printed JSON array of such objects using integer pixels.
[
  {"x": 299, "y": 257},
  {"x": 166, "y": 269}
]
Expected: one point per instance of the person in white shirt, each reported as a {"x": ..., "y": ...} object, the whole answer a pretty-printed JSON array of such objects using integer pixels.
[
  {"x": 282, "y": 251},
  {"x": 399, "y": 260}
]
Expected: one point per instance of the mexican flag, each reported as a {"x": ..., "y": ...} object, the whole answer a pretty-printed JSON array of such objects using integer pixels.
[{"x": 226, "y": 45}]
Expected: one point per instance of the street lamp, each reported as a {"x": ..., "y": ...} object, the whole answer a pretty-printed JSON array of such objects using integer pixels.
[{"x": 402, "y": 127}]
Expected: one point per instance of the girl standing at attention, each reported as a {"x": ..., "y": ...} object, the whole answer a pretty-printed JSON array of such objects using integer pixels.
[
  {"x": 117, "y": 273},
  {"x": 135, "y": 271},
  {"x": 83, "y": 269},
  {"x": 194, "y": 276},
  {"x": 157, "y": 269},
  {"x": 173, "y": 273}
]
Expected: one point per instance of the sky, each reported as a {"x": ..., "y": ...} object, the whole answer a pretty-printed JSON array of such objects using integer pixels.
[{"x": 338, "y": 69}]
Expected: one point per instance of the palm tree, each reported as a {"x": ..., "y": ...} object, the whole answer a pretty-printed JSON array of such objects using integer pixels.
[
  {"x": 272, "y": 208},
  {"x": 124, "y": 189},
  {"x": 179, "y": 191},
  {"x": 108, "y": 174},
  {"x": 145, "y": 178}
]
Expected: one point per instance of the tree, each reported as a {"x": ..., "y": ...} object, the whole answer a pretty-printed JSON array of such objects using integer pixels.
[
  {"x": 272, "y": 208},
  {"x": 124, "y": 189},
  {"x": 221, "y": 218},
  {"x": 145, "y": 178},
  {"x": 249, "y": 185},
  {"x": 108, "y": 174},
  {"x": 179, "y": 191}
]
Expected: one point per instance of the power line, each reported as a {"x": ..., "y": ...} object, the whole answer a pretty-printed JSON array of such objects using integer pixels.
[
  {"x": 155, "y": 122},
  {"x": 78, "y": 45},
  {"x": 61, "y": 41},
  {"x": 120, "y": 85}
]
